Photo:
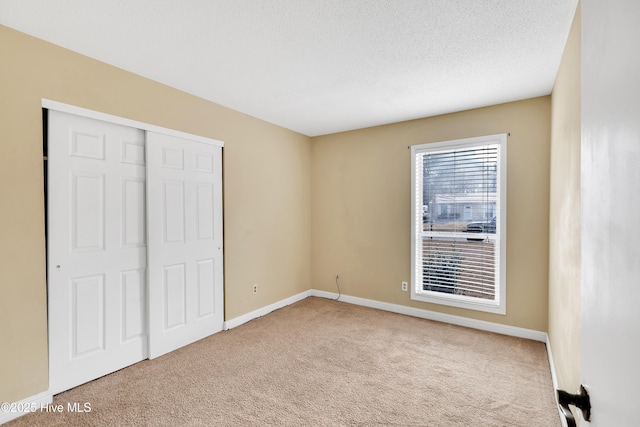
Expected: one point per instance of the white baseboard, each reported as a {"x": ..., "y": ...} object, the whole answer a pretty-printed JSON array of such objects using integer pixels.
[
  {"x": 237, "y": 321},
  {"x": 25, "y": 406},
  {"x": 394, "y": 308},
  {"x": 456, "y": 320},
  {"x": 439, "y": 317},
  {"x": 43, "y": 399},
  {"x": 552, "y": 365},
  {"x": 554, "y": 381}
]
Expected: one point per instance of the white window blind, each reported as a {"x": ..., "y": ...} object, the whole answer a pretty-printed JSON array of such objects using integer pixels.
[{"x": 458, "y": 223}]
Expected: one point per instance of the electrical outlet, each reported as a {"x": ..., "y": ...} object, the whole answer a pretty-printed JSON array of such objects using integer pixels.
[
  {"x": 405, "y": 286},
  {"x": 255, "y": 289}
]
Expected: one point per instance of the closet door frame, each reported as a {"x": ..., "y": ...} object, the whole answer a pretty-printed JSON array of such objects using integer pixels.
[
  {"x": 83, "y": 112},
  {"x": 91, "y": 114}
]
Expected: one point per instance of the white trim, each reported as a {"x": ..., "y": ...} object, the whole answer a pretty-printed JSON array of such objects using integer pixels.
[
  {"x": 554, "y": 381},
  {"x": 84, "y": 112},
  {"x": 237, "y": 321},
  {"x": 46, "y": 398},
  {"x": 552, "y": 366},
  {"x": 483, "y": 325},
  {"x": 470, "y": 303},
  {"x": 394, "y": 308},
  {"x": 33, "y": 403}
]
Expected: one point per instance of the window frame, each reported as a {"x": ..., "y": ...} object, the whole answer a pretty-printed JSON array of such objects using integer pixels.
[{"x": 472, "y": 303}]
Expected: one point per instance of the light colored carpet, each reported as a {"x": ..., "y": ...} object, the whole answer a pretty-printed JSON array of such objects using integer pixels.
[{"x": 326, "y": 363}]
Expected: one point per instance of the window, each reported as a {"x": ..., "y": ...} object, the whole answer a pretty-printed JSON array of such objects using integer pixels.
[{"x": 459, "y": 222}]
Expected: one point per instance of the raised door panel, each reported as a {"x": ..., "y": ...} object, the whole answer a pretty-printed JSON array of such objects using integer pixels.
[
  {"x": 87, "y": 211},
  {"x": 204, "y": 211},
  {"x": 87, "y": 315},
  {"x": 206, "y": 287},
  {"x": 133, "y": 221},
  {"x": 134, "y": 302},
  {"x": 175, "y": 297},
  {"x": 173, "y": 206}
]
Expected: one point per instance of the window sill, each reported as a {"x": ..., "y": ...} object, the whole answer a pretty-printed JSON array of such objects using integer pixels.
[{"x": 460, "y": 302}]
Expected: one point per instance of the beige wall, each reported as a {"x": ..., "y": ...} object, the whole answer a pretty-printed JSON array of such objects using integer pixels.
[
  {"x": 266, "y": 191},
  {"x": 564, "y": 215},
  {"x": 361, "y": 199}
]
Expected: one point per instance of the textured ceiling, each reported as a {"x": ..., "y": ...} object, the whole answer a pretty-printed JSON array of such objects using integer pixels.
[{"x": 319, "y": 66}]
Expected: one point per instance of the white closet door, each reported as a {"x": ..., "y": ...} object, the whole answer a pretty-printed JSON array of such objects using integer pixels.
[
  {"x": 96, "y": 249},
  {"x": 185, "y": 241}
]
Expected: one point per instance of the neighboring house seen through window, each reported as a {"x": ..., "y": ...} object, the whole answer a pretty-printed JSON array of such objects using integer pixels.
[{"x": 458, "y": 223}]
